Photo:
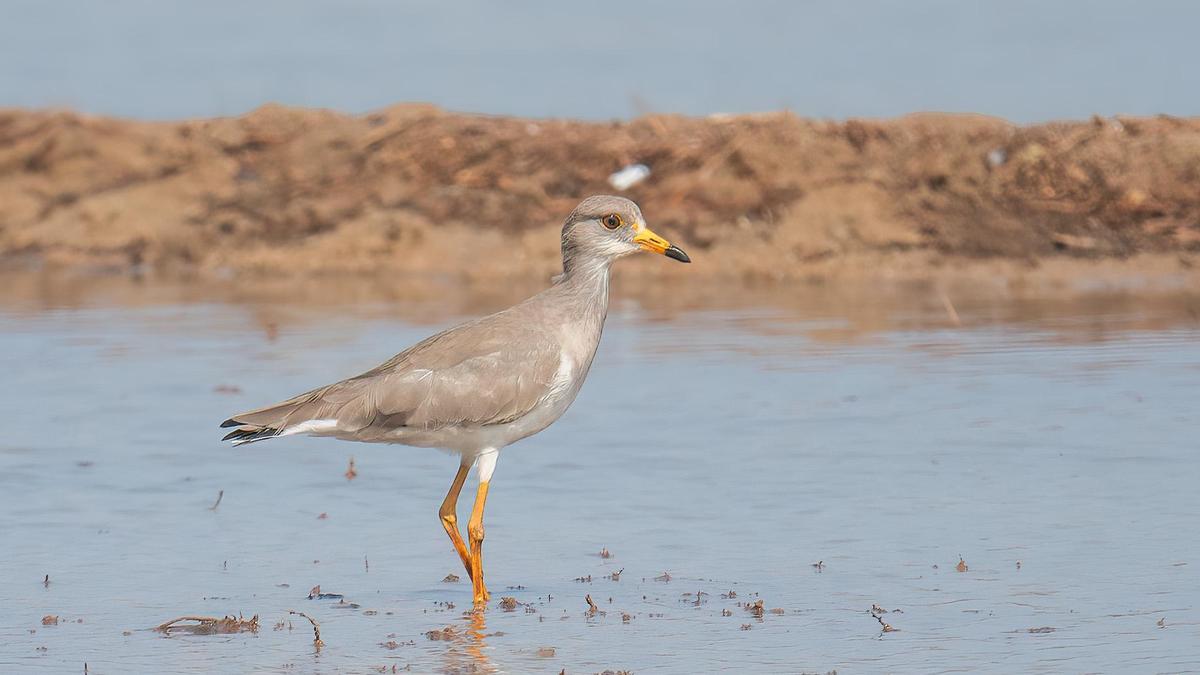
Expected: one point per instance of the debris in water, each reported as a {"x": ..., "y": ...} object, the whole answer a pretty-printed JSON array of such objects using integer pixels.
[
  {"x": 746, "y": 626},
  {"x": 317, "y": 642},
  {"x": 1042, "y": 629},
  {"x": 546, "y": 652},
  {"x": 316, "y": 594},
  {"x": 1018, "y": 564},
  {"x": 227, "y": 389},
  {"x": 962, "y": 565},
  {"x": 210, "y": 625},
  {"x": 887, "y": 627},
  {"x": 351, "y": 472},
  {"x": 451, "y": 578},
  {"x": 392, "y": 644},
  {"x": 446, "y": 633},
  {"x": 220, "y": 496},
  {"x": 323, "y": 516},
  {"x": 50, "y": 620},
  {"x": 778, "y": 610},
  {"x": 629, "y": 176}
]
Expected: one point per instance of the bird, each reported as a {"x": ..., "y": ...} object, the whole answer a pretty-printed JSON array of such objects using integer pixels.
[{"x": 483, "y": 385}]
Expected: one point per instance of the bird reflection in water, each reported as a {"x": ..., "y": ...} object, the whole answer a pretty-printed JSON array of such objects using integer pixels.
[{"x": 466, "y": 645}]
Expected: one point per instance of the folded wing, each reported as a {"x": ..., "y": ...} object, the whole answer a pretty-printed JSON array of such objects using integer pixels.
[{"x": 472, "y": 375}]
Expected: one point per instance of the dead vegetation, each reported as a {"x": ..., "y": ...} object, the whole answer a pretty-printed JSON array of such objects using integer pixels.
[
  {"x": 209, "y": 625},
  {"x": 592, "y": 609},
  {"x": 756, "y": 609},
  {"x": 446, "y": 634},
  {"x": 877, "y": 612},
  {"x": 317, "y": 642},
  {"x": 317, "y": 594}
]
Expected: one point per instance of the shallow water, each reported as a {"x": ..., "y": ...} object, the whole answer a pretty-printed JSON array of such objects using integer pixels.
[{"x": 1051, "y": 445}]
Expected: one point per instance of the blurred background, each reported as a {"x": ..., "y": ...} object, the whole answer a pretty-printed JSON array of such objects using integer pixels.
[
  {"x": 1024, "y": 60},
  {"x": 925, "y": 400}
]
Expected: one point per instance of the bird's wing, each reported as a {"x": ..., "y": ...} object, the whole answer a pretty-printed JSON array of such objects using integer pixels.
[{"x": 479, "y": 373}]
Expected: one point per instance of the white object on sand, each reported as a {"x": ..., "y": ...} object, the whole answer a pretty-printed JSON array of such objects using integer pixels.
[{"x": 629, "y": 176}]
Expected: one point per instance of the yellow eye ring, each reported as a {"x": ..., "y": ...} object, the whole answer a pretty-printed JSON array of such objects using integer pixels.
[{"x": 612, "y": 221}]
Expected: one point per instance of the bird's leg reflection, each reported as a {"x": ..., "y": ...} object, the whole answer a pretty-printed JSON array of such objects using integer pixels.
[
  {"x": 467, "y": 651},
  {"x": 476, "y": 631}
]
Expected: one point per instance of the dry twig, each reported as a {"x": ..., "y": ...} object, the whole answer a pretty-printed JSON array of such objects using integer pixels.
[{"x": 317, "y": 642}]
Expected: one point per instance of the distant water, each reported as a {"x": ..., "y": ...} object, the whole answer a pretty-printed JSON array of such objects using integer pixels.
[
  {"x": 730, "y": 451},
  {"x": 1024, "y": 60}
]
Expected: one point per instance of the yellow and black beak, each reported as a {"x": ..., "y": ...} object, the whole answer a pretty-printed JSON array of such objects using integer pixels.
[{"x": 649, "y": 241}]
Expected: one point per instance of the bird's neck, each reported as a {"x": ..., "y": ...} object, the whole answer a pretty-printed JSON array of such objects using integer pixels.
[{"x": 588, "y": 280}]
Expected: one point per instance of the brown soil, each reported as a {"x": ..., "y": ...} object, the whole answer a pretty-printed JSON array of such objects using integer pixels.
[{"x": 416, "y": 190}]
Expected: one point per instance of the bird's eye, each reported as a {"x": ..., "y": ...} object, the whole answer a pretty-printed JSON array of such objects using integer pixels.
[{"x": 612, "y": 221}]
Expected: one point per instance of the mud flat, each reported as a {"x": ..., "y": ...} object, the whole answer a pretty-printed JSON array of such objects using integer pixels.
[{"x": 412, "y": 190}]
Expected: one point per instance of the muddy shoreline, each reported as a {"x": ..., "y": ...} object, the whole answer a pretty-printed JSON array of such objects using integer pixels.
[{"x": 413, "y": 190}]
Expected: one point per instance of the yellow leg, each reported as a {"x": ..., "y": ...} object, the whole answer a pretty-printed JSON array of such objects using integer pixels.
[
  {"x": 449, "y": 516},
  {"x": 475, "y": 533}
]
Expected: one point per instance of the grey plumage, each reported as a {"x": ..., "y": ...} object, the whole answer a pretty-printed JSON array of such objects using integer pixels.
[
  {"x": 485, "y": 384},
  {"x": 488, "y": 382}
]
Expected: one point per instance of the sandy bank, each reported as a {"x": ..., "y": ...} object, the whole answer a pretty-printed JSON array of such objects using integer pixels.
[{"x": 413, "y": 190}]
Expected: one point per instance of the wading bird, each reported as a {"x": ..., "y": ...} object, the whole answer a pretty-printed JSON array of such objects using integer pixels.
[{"x": 485, "y": 384}]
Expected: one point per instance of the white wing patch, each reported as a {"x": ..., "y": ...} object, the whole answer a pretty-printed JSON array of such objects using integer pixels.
[{"x": 310, "y": 426}]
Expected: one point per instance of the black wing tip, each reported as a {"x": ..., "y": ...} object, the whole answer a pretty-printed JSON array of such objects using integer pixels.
[
  {"x": 230, "y": 423},
  {"x": 239, "y": 436}
]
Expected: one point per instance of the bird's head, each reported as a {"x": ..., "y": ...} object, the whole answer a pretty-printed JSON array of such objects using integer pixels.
[{"x": 604, "y": 228}]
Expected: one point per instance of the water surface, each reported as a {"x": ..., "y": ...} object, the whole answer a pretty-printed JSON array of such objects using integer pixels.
[{"x": 1049, "y": 443}]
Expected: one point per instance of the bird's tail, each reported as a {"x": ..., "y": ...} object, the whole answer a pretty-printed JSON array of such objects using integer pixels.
[
  {"x": 269, "y": 422},
  {"x": 248, "y": 433}
]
